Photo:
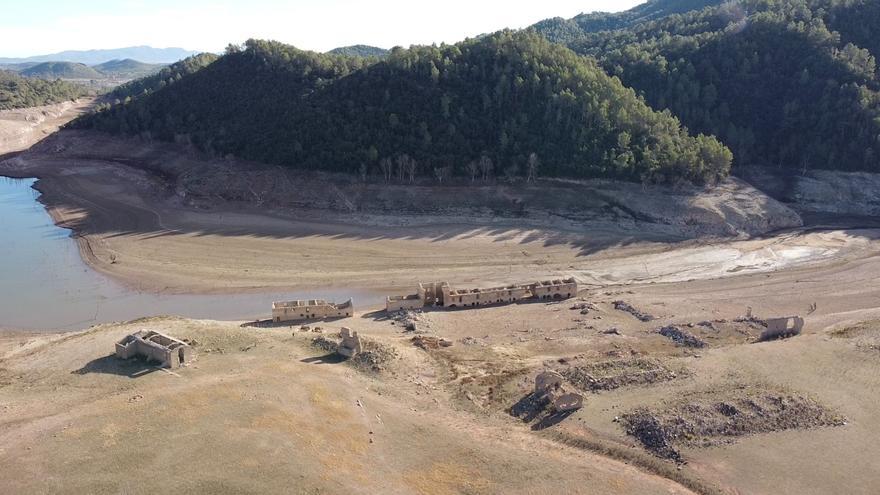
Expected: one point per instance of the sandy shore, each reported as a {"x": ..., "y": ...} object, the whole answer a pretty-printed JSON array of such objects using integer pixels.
[{"x": 134, "y": 224}]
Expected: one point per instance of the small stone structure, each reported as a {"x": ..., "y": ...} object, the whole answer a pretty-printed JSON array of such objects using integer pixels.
[
  {"x": 314, "y": 309},
  {"x": 549, "y": 388},
  {"x": 155, "y": 346},
  {"x": 782, "y": 327},
  {"x": 350, "y": 345},
  {"x": 442, "y": 294}
]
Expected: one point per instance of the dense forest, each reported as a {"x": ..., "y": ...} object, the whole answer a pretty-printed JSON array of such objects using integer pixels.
[
  {"x": 784, "y": 83},
  {"x": 365, "y": 51},
  {"x": 164, "y": 77},
  {"x": 559, "y": 30},
  {"x": 22, "y": 92},
  {"x": 505, "y": 104}
]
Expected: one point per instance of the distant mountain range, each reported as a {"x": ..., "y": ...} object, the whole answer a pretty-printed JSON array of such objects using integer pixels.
[{"x": 145, "y": 54}]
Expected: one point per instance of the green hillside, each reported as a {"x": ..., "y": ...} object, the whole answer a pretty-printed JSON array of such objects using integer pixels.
[
  {"x": 22, "y": 92},
  {"x": 503, "y": 97},
  {"x": 62, "y": 70},
  {"x": 164, "y": 77},
  {"x": 784, "y": 83},
  {"x": 561, "y": 30},
  {"x": 360, "y": 51}
]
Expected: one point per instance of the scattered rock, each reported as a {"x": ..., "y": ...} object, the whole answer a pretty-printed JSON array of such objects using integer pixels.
[
  {"x": 626, "y": 307},
  {"x": 610, "y": 375},
  {"x": 715, "y": 417},
  {"x": 430, "y": 343},
  {"x": 681, "y": 337}
]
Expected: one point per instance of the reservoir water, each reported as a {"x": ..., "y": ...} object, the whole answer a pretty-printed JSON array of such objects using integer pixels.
[{"x": 44, "y": 283}]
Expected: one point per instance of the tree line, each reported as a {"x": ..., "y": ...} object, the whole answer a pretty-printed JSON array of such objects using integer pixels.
[{"x": 511, "y": 99}]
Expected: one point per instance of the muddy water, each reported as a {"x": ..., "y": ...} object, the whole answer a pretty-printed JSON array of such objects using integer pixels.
[{"x": 44, "y": 284}]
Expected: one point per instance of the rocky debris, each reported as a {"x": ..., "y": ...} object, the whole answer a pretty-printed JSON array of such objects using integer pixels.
[
  {"x": 650, "y": 432},
  {"x": 430, "y": 343},
  {"x": 716, "y": 417},
  {"x": 374, "y": 357},
  {"x": 412, "y": 321},
  {"x": 584, "y": 307},
  {"x": 628, "y": 308},
  {"x": 609, "y": 375},
  {"x": 611, "y": 331},
  {"x": 248, "y": 347},
  {"x": 681, "y": 337},
  {"x": 472, "y": 341},
  {"x": 324, "y": 344}
]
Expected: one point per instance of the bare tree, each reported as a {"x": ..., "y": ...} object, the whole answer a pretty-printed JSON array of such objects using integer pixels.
[
  {"x": 486, "y": 166},
  {"x": 441, "y": 173},
  {"x": 411, "y": 166},
  {"x": 473, "y": 168},
  {"x": 532, "y": 167},
  {"x": 405, "y": 164},
  {"x": 387, "y": 168}
]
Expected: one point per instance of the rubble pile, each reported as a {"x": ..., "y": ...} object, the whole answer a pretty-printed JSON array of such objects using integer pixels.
[
  {"x": 628, "y": 308},
  {"x": 681, "y": 337}
]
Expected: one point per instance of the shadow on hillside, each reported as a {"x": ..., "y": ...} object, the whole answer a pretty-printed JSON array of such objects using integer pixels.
[
  {"x": 112, "y": 365},
  {"x": 332, "y": 358}
]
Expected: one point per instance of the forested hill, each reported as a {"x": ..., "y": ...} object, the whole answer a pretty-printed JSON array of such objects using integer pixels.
[
  {"x": 22, "y": 92},
  {"x": 164, "y": 77},
  {"x": 435, "y": 111},
  {"x": 783, "y": 83},
  {"x": 361, "y": 51},
  {"x": 62, "y": 70},
  {"x": 561, "y": 30}
]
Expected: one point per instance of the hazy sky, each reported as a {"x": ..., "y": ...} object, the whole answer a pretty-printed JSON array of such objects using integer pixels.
[{"x": 35, "y": 27}]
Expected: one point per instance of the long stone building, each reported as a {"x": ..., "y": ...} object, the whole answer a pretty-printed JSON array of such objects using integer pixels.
[
  {"x": 443, "y": 295},
  {"x": 314, "y": 309}
]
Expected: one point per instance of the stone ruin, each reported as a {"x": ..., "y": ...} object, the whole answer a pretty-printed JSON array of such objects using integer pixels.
[
  {"x": 155, "y": 346},
  {"x": 350, "y": 345},
  {"x": 441, "y": 294},
  {"x": 312, "y": 309},
  {"x": 549, "y": 388},
  {"x": 780, "y": 328}
]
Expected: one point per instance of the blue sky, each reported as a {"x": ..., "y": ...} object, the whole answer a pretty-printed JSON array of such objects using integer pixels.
[{"x": 35, "y": 27}]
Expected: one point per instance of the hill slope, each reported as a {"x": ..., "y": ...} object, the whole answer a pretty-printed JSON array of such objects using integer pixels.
[
  {"x": 771, "y": 79},
  {"x": 21, "y": 92},
  {"x": 62, "y": 70},
  {"x": 502, "y": 97},
  {"x": 561, "y": 30},
  {"x": 361, "y": 51},
  {"x": 127, "y": 68},
  {"x": 164, "y": 77}
]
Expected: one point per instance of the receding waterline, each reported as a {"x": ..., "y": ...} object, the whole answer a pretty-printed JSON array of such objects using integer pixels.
[{"x": 44, "y": 283}]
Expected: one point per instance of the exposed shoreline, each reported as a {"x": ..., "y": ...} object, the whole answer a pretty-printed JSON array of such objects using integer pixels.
[{"x": 133, "y": 223}]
